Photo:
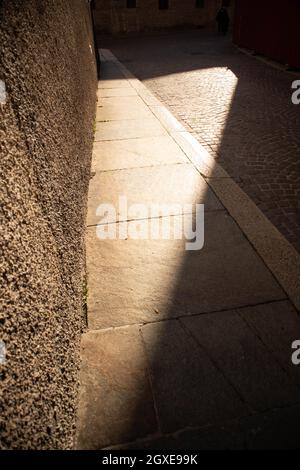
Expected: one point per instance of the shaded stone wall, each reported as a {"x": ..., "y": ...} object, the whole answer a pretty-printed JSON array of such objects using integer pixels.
[
  {"x": 270, "y": 28},
  {"x": 46, "y": 130},
  {"x": 112, "y": 16}
]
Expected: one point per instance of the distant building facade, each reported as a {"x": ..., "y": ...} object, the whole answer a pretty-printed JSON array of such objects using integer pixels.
[
  {"x": 270, "y": 28},
  {"x": 122, "y": 16}
]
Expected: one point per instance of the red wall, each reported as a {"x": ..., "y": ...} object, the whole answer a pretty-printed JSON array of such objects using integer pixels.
[{"x": 270, "y": 28}]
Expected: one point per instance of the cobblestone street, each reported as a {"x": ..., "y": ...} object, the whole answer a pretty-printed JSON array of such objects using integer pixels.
[{"x": 239, "y": 108}]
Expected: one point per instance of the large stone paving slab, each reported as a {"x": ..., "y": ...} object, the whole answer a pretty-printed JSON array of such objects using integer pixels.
[
  {"x": 115, "y": 400},
  {"x": 109, "y": 92},
  {"x": 128, "y": 129},
  {"x": 281, "y": 258},
  {"x": 164, "y": 184},
  {"x": 134, "y": 153},
  {"x": 188, "y": 389},
  {"x": 110, "y": 71},
  {"x": 211, "y": 438},
  {"x": 132, "y": 281},
  {"x": 247, "y": 363},
  {"x": 277, "y": 429},
  {"x": 122, "y": 108},
  {"x": 278, "y": 326},
  {"x": 114, "y": 83}
]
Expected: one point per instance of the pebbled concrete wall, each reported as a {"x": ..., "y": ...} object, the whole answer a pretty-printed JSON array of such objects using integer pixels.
[{"x": 46, "y": 131}]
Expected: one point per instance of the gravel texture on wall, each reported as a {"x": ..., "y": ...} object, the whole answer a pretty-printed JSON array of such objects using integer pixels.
[{"x": 47, "y": 107}]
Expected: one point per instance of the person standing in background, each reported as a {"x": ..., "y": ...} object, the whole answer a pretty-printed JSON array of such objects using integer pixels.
[{"x": 223, "y": 20}]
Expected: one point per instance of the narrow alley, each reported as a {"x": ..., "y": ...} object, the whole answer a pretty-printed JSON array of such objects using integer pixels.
[{"x": 181, "y": 347}]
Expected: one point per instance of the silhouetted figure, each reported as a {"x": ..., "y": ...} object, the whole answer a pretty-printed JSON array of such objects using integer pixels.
[{"x": 223, "y": 20}]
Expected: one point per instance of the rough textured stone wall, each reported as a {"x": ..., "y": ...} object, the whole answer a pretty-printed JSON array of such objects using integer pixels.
[
  {"x": 46, "y": 132},
  {"x": 112, "y": 15}
]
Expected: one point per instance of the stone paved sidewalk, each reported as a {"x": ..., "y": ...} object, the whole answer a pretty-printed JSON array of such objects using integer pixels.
[
  {"x": 239, "y": 108},
  {"x": 184, "y": 349}
]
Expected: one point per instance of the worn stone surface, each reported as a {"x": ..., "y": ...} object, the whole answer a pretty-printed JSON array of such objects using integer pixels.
[
  {"x": 134, "y": 153},
  {"x": 122, "y": 108},
  {"x": 116, "y": 401},
  {"x": 158, "y": 279},
  {"x": 128, "y": 129},
  {"x": 110, "y": 72},
  {"x": 279, "y": 429},
  {"x": 188, "y": 389},
  {"x": 279, "y": 255},
  {"x": 161, "y": 184},
  {"x": 168, "y": 377},
  {"x": 277, "y": 325},
  {"x": 274, "y": 430},
  {"x": 238, "y": 350},
  {"x": 114, "y": 83},
  {"x": 109, "y": 92},
  {"x": 46, "y": 133}
]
